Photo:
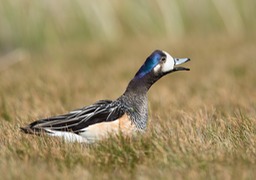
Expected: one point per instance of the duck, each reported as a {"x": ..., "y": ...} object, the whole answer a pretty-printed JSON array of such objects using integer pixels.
[{"x": 128, "y": 114}]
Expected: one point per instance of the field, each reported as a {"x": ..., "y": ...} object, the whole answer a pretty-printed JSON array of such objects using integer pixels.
[{"x": 202, "y": 123}]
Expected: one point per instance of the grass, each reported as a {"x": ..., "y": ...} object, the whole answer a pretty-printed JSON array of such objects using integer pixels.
[
  {"x": 55, "y": 57},
  {"x": 202, "y": 123},
  {"x": 36, "y": 24}
]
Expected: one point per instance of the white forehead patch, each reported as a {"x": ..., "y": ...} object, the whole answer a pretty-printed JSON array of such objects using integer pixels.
[{"x": 169, "y": 63}]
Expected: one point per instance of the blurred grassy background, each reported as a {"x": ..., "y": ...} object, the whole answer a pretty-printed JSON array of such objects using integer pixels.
[
  {"x": 37, "y": 24},
  {"x": 60, "y": 55}
]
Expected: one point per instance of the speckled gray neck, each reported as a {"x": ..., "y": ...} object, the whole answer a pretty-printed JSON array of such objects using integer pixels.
[
  {"x": 137, "y": 109},
  {"x": 135, "y": 99}
]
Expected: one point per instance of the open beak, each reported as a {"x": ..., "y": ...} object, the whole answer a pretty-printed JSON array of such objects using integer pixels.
[{"x": 178, "y": 61}]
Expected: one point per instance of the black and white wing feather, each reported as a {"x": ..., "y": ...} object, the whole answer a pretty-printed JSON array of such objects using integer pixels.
[{"x": 77, "y": 120}]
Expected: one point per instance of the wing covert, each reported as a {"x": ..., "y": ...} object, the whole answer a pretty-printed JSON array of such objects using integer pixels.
[{"x": 76, "y": 120}]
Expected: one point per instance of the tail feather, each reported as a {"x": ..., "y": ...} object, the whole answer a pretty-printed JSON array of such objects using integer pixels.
[{"x": 31, "y": 130}]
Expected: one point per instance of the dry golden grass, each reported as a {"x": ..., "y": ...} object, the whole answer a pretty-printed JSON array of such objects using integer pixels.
[{"x": 202, "y": 123}]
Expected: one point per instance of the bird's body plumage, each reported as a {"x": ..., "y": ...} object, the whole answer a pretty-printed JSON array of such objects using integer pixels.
[{"x": 128, "y": 114}]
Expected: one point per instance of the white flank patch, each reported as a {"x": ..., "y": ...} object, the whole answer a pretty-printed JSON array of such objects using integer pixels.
[
  {"x": 169, "y": 63},
  {"x": 68, "y": 136}
]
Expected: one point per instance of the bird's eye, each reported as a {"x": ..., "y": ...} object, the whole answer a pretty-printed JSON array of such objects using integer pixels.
[{"x": 163, "y": 59}]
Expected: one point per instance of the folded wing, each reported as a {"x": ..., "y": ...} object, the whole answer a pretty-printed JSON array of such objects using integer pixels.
[{"x": 76, "y": 121}]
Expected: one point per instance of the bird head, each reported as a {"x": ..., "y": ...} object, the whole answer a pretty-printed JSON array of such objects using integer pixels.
[{"x": 160, "y": 63}]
